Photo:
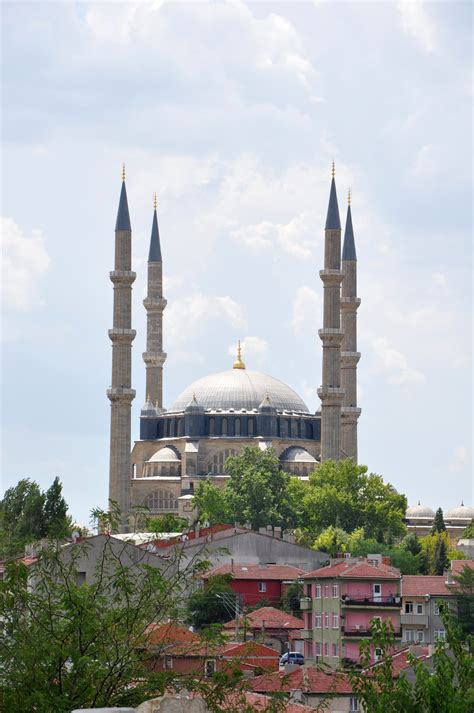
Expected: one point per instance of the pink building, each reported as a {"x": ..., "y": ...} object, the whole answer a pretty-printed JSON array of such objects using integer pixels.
[{"x": 339, "y": 603}]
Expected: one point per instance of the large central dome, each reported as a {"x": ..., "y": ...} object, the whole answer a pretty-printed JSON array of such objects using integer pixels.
[{"x": 239, "y": 389}]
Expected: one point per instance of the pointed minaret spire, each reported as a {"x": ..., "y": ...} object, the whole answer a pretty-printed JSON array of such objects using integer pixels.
[
  {"x": 121, "y": 335},
  {"x": 349, "y": 354},
  {"x": 154, "y": 303},
  {"x": 330, "y": 392}
]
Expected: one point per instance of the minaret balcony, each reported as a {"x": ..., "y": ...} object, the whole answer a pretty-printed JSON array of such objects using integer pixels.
[
  {"x": 331, "y": 395},
  {"x": 331, "y": 277},
  {"x": 122, "y": 277},
  {"x": 350, "y": 414},
  {"x": 350, "y": 304},
  {"x": 349, "y": 359},
  {"x": 331, "y": 336},
  {"x": 154, "y": 358},
  {"x": 154, "y": 304},
  {"x": 124, "y": 336},
  {"x": 121, "y": 393}
]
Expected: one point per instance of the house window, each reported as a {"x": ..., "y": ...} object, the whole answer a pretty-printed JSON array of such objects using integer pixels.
[
  {"x": 354, "y": 704},
  {"x": 419, "y": 608},
  {"x": 326, "y": 590},
  {"x": 377, "y": 654},
  {"x": 408, "y": 607},
  {"x": 436, "y": 609},
  {"x": 209, "y": 667},
  {"x": 409, "y": 635},
  {"x": 420, "y": 636},
  {"x": 440, "y": 634},
  {"x": 335, "y": 621},
  {"x": 318, "y": 649},
  {"x": 318, "y": 591},
  {"x": 334, "y": 650},
  {"x": 80, "y": 578},
  {"x": 335, "y": 592},
  {"x": 326, "y": 621},
  {"x": 262, "y": 586},
  {"x": 168, "y": 663},
  {"x": 317, "y": 621},
  {"x": 326, "y": 649}
]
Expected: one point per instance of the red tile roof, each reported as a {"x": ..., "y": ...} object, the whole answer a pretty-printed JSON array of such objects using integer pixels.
[
  {"x": 457, "y": 566},
  {"x": 258, "y": 571},
  {"x": 417, "y": 585},
  {"x": 270, "y": 618},
  {"x": 233, "y": 701},
  {"x": 355, "y": 570},
  {"x": 307, "y": 679},
  {"x": 170, "y": 633}
]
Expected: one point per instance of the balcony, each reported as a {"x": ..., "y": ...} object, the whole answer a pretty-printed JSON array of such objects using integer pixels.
[
  {"x": 306, "y": 603},
  {"x": 414, "y": 620},
  {"x": 362, "y": 632},
  {"x": 379, "y": 602}
]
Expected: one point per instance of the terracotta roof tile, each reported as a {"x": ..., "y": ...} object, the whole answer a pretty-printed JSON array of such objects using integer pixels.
[
  {"x": 457, "y": 566},
  {"x": 307, "y": 679},
  {"x": 170, "y": 633},
  {"x": 357, "y": 570},
  {"x": 417, "y": 585},
  {"x": 270, "y": 618},
  {"x": 258, "y": 571}
]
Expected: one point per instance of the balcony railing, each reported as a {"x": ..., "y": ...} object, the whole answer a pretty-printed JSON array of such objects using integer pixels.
[
  {"x": 350, "y": 601},
  {"x": 362, "y": 631}
]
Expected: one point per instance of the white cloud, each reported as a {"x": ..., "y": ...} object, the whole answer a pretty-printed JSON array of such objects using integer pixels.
[
  {"x": 416, "y": 22},
  {"x": 252, "y": 347},
  {"x": 24, "y": 260},
  {"x": 396, "y": 363},
  {"x": 460, "y": 459},
  {"x": 307, "y": 310},
  {"x": 293, "y": 237},
  {"x": 184, "y": 317}
]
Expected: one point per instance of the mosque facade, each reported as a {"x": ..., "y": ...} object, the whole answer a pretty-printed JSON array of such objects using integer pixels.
[{"x": 220, "y": 414}]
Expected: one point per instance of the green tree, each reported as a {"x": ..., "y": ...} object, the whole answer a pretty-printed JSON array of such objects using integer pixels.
[
  {"x": 447, "y": 688},
  {"x": 215, "y": 603},
  {"x": 166, "y": 523},
  {"x": 291, "y": 598},
  {"x": 343, "y": 494},
  {"x": 332, "y": 540},
  {"x": 440, "y": 558},
  {"x": 411, "y": 543},
  {"x": 211, "y": 503},
  {"x": 465, "y": 600},
  {"x": 57, "y": 523},
  {"x": 468, "y": 533},
  {"x": 438, "y": 522}
]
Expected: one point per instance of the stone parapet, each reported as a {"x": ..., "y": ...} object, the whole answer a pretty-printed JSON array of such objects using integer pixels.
[
  {"x": 154, "y": 358},
  {"x": 349, "y": 359},
  {"x": 118, "y": 334},
  {"x": 125, "y": 277},
  {"x": 350, "y": 304},
  {"x": 331, "y": 395},
  {"x": 330, "y": 335},
  {"x": 334, "y": 277},
  {"x": 120, "y": 393},
  {"x": 154, "y": 304}
]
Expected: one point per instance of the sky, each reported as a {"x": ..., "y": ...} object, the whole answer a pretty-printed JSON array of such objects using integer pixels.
[{"x": 233, "y": 112}]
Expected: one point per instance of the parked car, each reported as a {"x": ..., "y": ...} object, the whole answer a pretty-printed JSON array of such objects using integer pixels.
[{"x": 292, "y": 657}]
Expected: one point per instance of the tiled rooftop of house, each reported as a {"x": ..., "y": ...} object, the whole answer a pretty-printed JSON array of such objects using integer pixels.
[
  {"x": 355, "y": 570},
  {"x": 457, "y": 566},
  {"x": 268, "y": 618},
  {"x": 306, "y": 679},
  {"x": 418, "y": 585},
  {"x": 283, "y": 572}
]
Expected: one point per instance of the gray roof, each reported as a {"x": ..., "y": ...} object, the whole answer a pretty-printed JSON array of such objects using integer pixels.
[
  {"x": 296, "y": 454},
  {"x": 239, "y": 389},
  {"x": 123, "y": 216},
  {"x": 348, "y": 249},
  {"x": 155, "y": 248},
  {"x": 333, "y": 222}
]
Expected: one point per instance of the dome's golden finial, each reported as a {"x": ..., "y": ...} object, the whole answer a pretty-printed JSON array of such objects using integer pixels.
[
  {"x": 238, "y": 363},
  {"x": 349, "y": 196},
  {"x": 123, "y": 172},
  {"x": 333, "y": 170},
  {"x": 155, "y": 202}
]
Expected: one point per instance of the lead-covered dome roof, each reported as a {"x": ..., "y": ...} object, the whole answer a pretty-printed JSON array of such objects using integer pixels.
[
  {"x": 462, "y": 512},
  {"x": 239, "y": 389},
  {"x": 419, "y": 511}
]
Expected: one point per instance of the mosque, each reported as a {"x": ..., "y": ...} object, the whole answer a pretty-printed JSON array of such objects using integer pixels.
[{"x": 219, "y": 414}]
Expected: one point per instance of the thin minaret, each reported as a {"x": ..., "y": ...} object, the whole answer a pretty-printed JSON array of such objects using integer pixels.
[
  {"x": 121, "y": 335},
  {"x": 154, "y": 303},
  {"x": 349, "y": 354},
  {"x": 331, "y": 392}
]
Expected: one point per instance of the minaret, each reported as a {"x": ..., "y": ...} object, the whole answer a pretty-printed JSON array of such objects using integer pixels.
[
  {"x": 330, "y": 392},
  {"x": 154, "y": 357},
  {"x": 122, "y": 335},
  {"x": 349, "y": 354}
]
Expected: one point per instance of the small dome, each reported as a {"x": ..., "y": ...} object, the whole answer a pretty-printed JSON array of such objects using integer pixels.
[
  {"x": 148, "y": 409},
  {"x": 165, "y": 455},
  {"x": 421, "y": 511},
  {"x": 296, "y": 454},
  {"x": 462, "y": 512}
]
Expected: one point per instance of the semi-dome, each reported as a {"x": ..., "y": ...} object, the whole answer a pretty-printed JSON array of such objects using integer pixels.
[
  {"x": 239, "y": 389},
  {"x": 164, "y": 455},
  {"x": 422, "y": 511},
  {"x": 462, "y": 512},
  {"x": 296, "y": 454}
]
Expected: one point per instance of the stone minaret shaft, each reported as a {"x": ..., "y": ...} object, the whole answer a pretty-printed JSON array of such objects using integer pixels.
[
  {"x": 122, "y": 335},
  {"x": 349, "y": 354},
  {"x": 331, "y": 393},
  {"x": 154, "y": 303}
]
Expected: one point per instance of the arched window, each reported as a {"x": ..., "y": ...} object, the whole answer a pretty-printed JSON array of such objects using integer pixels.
[
  {"x": 180, "y": 427},
  {"x": 161, "y": 501},
  {"x": 217, "y": 465},
  {"x": 237, "y": 427},
  {"x": 250, "y": 426},
  {"x": 212, "y": 426},
  {"x": 283, "y": 429},
  {"x": 309, "y": 430},
  {"x": 224, "y": 427}
]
